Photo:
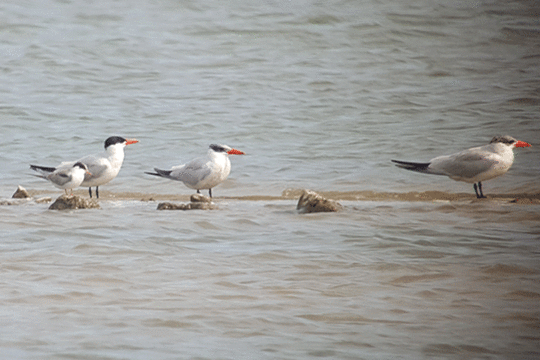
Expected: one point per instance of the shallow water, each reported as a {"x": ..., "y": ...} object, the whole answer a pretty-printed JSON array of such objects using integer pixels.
[
  {"x": 321, "y": 96},
  {"x": 255, "y": 279}
]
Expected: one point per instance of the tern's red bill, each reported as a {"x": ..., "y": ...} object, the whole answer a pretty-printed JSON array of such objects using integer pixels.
[
  {"x": 521, "y": 144},
  {"x": 235, "y": 152},
  {"x": 131, "y": 141}
]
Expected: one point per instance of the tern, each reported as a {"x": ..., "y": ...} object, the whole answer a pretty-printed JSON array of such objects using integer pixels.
[
  {"x": 103, "y": 167},
  {"x": 65, "y": 178},
  {"x": 204, "y": 172},
  {"x": 473, "y": 165}
]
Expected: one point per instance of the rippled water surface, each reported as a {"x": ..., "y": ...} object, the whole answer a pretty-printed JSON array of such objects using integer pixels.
[{"x": 320, "y": 95}]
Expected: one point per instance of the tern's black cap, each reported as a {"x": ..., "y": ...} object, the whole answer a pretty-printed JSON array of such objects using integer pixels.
[{"x": 113, "y": 140}]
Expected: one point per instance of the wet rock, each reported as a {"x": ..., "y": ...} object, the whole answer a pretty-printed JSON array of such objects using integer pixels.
[
  {"x": 202, "y": 206},
  {"x": 198, "y": 202},
  {"x": 311, "y": 202},
  {"x": 66, "y": 202},
  {"x": 200, "y": 198},
  {"x": 171, "y": 206},
  {"x": 46, "y": 199},
  {"x": 21, "y": 193}
]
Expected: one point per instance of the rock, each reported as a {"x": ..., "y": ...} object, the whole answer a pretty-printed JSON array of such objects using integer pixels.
[
  {"x": 21, "y": 193},
  {"x": 46, "y": 199},
  {"x": 66, "y": 202},
  {"x": 311, "y": 202},
  {"x": 199, "y": 198},
  {"x": 202, "y": 206},
  {"x": 171, "y": 206},
  {"x": 198, "y": 202}
]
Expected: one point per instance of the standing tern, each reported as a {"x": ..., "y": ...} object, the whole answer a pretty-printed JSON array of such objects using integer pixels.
[
  {"x": 103, "y": 167},
  {"x": 473, "y": 165},
  {"x": 65, "y": 178},
  {"x": 204, "y": 172}
]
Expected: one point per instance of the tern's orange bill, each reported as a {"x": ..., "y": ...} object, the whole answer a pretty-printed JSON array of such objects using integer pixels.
[
  {"x": 131, "y": 141},
  {"x": 521, "y": 144},
  {"x": 235, "y": 152}
]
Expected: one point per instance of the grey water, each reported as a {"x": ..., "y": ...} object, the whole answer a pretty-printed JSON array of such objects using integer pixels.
[{"x": 320, "y": 95}]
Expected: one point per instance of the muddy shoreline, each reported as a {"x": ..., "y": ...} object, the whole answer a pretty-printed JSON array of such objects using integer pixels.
[{"x": 294, "y": 194}]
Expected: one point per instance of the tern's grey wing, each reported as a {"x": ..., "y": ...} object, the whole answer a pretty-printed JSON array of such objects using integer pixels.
[
  {"x": 465, "y": 164},
  {"x": 96, "y": 166},
  {"x": 192, "y": 172},
  {"x": 60, "y": 178},
  {"x": 96, "y": 171}
]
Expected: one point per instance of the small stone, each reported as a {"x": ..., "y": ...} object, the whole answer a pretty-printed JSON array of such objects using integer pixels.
[
  {"x": 202, "y": 206},
  {"x": 21, "y": 193},
  {"x": 46, "y": 199},
  {"x": 198, "y": 202},
  {"x": 311, "y": 202},
  {"x": 66, "y": 202},
  {"x": 199, "y": 198},
  {"x": 171, "y": 206}
]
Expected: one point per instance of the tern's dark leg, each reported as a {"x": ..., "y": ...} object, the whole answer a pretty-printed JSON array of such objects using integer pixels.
[
  {"x": 480, "y": 188},
  {"x": 198, "y": 192},
  {"x": 210, "y": 192},
  {"x": 476, "y": 188},
  {"x": 90, "y": 191},
  {"x": 97, "y": 193}
]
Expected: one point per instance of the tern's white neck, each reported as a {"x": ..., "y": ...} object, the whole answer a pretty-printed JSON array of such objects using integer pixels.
[
  {"x": 221, "y": 162},
  {"x": 115, "y": 153},
  {"x": 504, "y": 150},
  {"x": 217, "y": 155}
]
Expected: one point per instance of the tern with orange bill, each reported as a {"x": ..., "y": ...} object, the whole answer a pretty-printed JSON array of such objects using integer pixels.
[
  {"x": 204, "y": 172},
  {"x": 102, "y": 167},
  {"x": 472, "y": 165}
]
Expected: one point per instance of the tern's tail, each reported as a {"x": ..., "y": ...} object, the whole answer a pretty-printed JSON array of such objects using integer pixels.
[
  {"x": 43, "y": 170},
  {"x": 162, "y": 173},
  {"x": 420, "y": 167}
]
